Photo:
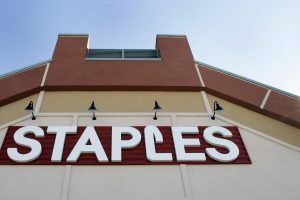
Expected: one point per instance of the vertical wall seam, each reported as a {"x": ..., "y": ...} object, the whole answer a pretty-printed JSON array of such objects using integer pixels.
[
  {"x": 45, "y": 75},
  {"x": 66, "y": 183},
  {"x": 75, "y": 120},
  {"x": 204, "y": 96},
  {"x": 263, "y": 103},
  {"x": 206, "y": 102},
  {"x": 183, "y": 169},
  {"x": 173, "y": 119},
  {"x": 39, "y": 102},
  {"x": 186, "y": 182},
  {"x": 68, "y": 171},
  {"x": 199, "y": 75}
]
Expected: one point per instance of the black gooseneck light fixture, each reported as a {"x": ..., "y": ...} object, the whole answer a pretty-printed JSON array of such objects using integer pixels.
[
  {"x": 217, "y": 108},
  {"x": 156, "y": 109},
  {"x": 29, "y": 108},
  {"x": 93, "y": 109}
]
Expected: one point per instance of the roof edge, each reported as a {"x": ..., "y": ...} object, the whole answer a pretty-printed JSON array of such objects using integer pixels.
[
  {"x": 248, "y": 80},
  {"x": 73, "y": 35},
  {"x": 25, "y": 69},
  {"x": 171, "y": 35}
]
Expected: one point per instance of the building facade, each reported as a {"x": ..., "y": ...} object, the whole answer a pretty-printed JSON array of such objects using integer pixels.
[{"x": 124, "y": 84}]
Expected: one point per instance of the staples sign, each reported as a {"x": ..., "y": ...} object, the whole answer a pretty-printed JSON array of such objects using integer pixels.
[{"x": 61, "y": 145}]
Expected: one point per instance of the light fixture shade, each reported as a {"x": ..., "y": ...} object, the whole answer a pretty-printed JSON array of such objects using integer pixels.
[
  {"x": 156, "y": 108},
  {"x": 93, "y": 108},
  {"x": 218, "y": 108},
  {"x": 29, "y": 107}
]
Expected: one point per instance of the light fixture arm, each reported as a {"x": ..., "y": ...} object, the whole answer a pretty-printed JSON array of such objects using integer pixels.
[
  {"x": 215, "y": 105},
  {"x": 155, "y": 117},
  {"x": 33, "y": 117},
  {"x": 93, "y": 109},
  {"x": 213, "y": 117},
  {"x": 217, "y": 108},
  {"x": 156, "y": 109},
  {"x": 29, "y": 108}
]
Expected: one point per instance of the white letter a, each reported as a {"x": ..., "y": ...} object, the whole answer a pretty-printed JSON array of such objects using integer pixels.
[{"x": 81, "y": 146}]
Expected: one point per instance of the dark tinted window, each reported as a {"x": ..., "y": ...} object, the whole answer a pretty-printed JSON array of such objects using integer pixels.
[
  {"x": 130, "y": 53},
  {"x": 117, "y": 53},
  {"x": 105, "y": 53}
]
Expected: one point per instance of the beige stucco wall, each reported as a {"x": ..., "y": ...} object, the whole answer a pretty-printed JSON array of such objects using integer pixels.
[
  {"x": 15, "y": 110},
  {"x": 126, "y": 182},
  {"x": 122, "y": 101},
  {"x": 258, "y": 122},
  {"x": 273, "y": 174},
  {"x": 31, "y": 182}
]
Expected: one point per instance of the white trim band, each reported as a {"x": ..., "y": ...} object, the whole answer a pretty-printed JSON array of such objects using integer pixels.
[{"x": 263, "y": 103}]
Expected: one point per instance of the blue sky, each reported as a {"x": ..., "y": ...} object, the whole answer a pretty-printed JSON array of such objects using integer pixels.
[{"x": 258, "y": 39}]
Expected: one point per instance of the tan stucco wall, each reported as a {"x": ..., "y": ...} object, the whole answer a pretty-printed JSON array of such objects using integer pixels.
[
  {"x": 15, "y": 110},
  {"x": 122, "y": 101},
  {"x": 143, "y": 102},
  {"x": 258, "y": 122}
]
